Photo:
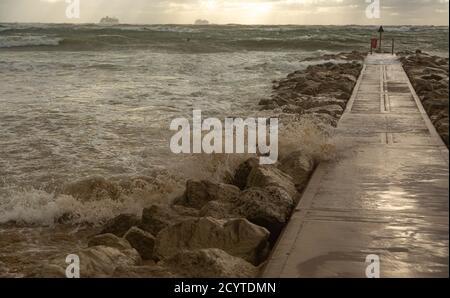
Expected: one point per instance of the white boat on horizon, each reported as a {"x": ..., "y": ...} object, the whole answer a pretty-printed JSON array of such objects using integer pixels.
[{"x": 109, "y": 21}]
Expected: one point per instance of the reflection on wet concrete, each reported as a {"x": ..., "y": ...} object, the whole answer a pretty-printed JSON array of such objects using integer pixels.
[{"x": 386, "y": 194}]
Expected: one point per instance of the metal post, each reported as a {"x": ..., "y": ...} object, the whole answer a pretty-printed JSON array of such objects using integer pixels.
[
  {"x": 393, "y": 47},
  {"x": 381, "y": 35}
]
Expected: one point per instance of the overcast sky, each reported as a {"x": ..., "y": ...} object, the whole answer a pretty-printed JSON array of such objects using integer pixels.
[{"x": 338, "y": 12}]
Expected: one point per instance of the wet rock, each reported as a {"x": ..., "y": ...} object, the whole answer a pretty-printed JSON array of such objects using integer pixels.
[
  {"x": 268, "y": 207},
  {"x": 210, "y": 263},
  {"x": 237, "y": 237},
  {"x": 242, "y": 172},
  {"x": 95, "y": 262},
  {"x": 198, "y": 193},
  {"x": 264, "y": 175},
  {"x": 120, "y": 224},
  {"x": 157, "y": 217},
  {"x": 299, "y": 166},
  {"x": 142, "y": 241},
  {"x": 429, "y": 77},
  {"x": 109, "y": 240},
  {"x": 219, "y": 210}
]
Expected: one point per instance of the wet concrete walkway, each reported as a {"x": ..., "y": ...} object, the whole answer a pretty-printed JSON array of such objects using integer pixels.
[{"x": 386, "y": 194}]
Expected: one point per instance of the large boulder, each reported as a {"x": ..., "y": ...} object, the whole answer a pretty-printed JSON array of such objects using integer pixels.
[
  {"x": 120, "y": 224},
  {"x": 219, "y": 210},
  {"x": 210, "y": 263},
  {"x": 159, "y": 216},
  {"x": 269, "y": 175},
  {"x": 95, "y": 262},
  {"x": 109, "y": 240},
  {"x": 142, "y": 241},
  {"x": 299, "y": 166},
  {"x": 198, "y": 193},
  {"x": 237, "y": 237},
  {"x": 268, "y": 207},
  {"x": 242, "y": 172}
]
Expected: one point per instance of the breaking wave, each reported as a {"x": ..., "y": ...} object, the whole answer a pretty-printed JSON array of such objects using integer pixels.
[
  {"x": 28, "y": 40},
  {"x": 94, "y": 200}
]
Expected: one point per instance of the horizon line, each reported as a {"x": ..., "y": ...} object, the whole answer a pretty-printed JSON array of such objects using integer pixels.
[{"x": 227, "y": 24}]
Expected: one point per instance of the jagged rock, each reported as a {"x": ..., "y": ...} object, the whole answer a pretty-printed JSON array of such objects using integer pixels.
[
  {"x": 48, "y": 271},
  {"x": 429, "y": 77},
  {"x": 198, "y": 193},
  {"x": 210, "y": 263},
  {"x": 157, "y": 217},
  {"x": 292, "y": 109},
  {"x": 109, "y": 240},
  {"x": 237, "y": 237},
  {"x": 299, "y": 166},
  {"x": 95, "y": 261},
  {"x": 268, "y": 207},
  {"x": 142, "y": 241},
  {"x": 219, "y": 210},
  {"x": 120, "y": 224},
  {"x": 265, "y": 175},
  {"x": 242, "y": 172}
]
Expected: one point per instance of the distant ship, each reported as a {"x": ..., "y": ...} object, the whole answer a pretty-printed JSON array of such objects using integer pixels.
[
  {"x": 109, "y": 21},
  {"x": 201, "y": 22}
]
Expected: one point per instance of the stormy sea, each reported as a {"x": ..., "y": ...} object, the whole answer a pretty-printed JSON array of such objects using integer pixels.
[{"x": 84, "y": 105}]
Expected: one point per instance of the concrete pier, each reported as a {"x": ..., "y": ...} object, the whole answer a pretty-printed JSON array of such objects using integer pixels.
[{"x": 386, "y": 194}]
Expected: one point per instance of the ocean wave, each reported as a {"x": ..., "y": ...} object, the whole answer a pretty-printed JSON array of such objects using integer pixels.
[
  {"x": 10, "y": 41},
  {"x": 92, "y": 200}
]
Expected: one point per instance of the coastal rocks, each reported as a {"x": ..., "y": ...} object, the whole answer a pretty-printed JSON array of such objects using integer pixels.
[
  {"x": 237, "y": 237},
  {"x": 198, "y": 193},
  {"x": 120, "y": 224},
  {"x": 101, "y": 261},
  {"x": 429, "y": 76},
  {"x": 299, "y": 166},
  {"x": 157, "y": 217},
  {"x": 263, "y": 176},
  {"x": 142, "y": 241},
  {"x": 210, "y": 263},
  {"x": 242, "y": 172},
  {"x": 251, "y": 174},
  {"x": 268, "y": 207},
  {"x": 97, "y": 261},
  {"x": 321, "y": 89},
  {"x": 226, "y": 230},
  {"x": 109, "y": 240}
]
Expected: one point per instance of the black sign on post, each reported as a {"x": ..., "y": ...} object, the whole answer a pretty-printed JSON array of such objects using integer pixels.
[{"x": 381, "y": 30}]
